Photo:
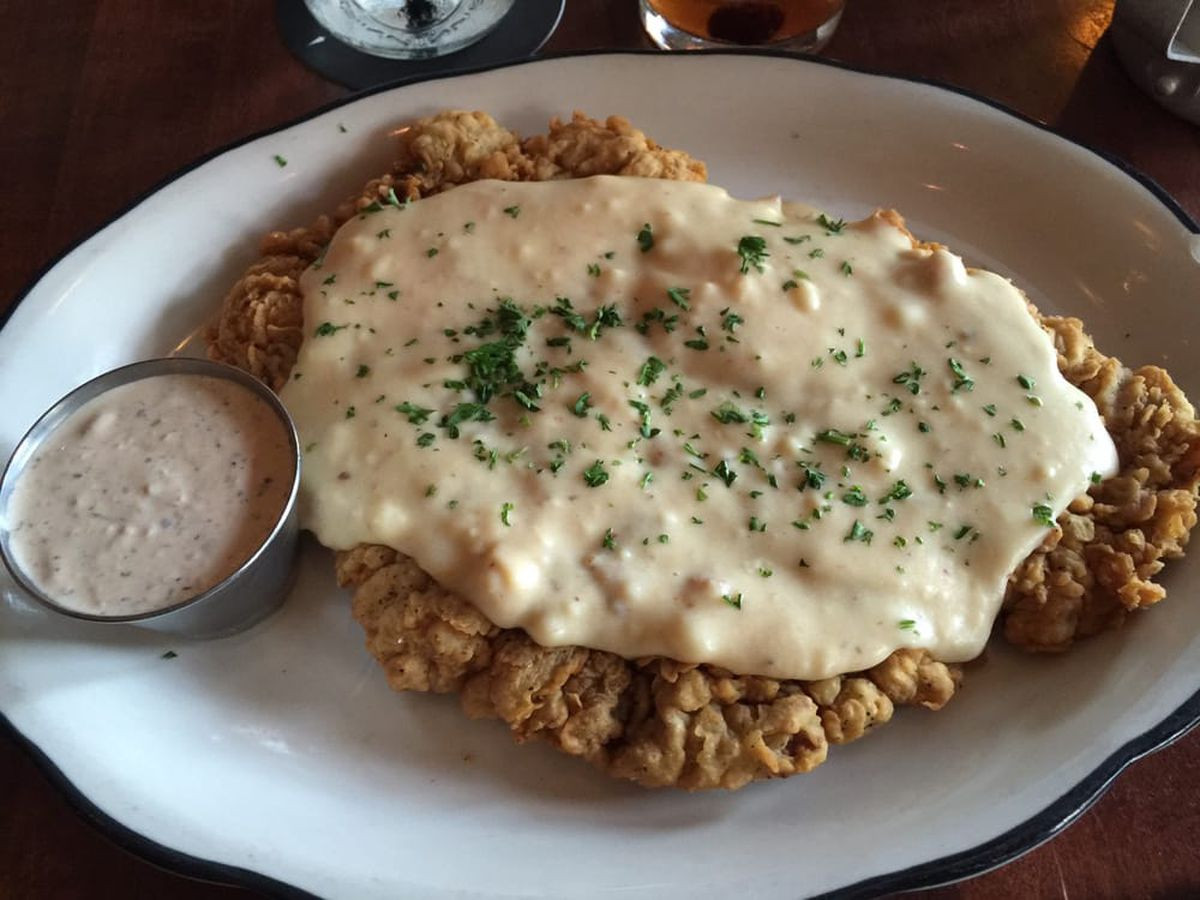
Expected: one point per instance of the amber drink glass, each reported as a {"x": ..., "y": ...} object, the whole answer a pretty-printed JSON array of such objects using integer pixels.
[{"x": 805, "y": 25}]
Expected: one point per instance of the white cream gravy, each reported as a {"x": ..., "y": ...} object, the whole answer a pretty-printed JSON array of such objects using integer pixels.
[
  {"x": 149, "y": 494},
  {"x": 849, "y": 446}
]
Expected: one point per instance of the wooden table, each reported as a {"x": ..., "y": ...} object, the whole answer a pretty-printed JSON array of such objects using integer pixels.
[{"x": 100, "y": 99}]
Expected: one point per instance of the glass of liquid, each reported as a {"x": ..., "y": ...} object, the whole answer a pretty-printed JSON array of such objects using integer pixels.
[
  {"x": 699, "y": 24},
  {"x": 409, "y": 29}
]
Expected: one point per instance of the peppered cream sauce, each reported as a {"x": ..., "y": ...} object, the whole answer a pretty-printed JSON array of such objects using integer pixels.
[
  {"x": 150, "y": 493},
  {"x": 647, "y": 417}
]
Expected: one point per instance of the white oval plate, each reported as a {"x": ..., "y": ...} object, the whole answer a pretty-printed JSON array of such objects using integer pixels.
[{"x": 279, "y": 757}]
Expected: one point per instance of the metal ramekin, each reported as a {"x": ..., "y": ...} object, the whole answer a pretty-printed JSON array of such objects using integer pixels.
[{"x": 245, "y": 596}]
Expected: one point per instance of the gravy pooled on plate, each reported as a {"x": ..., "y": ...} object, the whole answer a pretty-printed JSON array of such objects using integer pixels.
[{"x": 646, "y": 417}]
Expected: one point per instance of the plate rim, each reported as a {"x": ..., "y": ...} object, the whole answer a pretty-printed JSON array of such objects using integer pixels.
[{"x": 1022, "y": 838}]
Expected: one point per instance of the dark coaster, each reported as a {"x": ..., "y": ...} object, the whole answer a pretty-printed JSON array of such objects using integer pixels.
[{"x": 521, "y": 33}]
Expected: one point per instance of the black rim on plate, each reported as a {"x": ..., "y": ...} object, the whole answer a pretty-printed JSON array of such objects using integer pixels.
[{"x": 991, "y": 854}]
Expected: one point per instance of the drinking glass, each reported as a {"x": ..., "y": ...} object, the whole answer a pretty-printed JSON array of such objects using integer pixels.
[
  {"x": 698, "y": 24},
  {"x": 409, "y": 29}
]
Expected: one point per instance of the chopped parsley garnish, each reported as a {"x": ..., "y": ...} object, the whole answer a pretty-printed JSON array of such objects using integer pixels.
[
  {"x": 464, "y": 412},
  {"x": 431, "y": 252},
  {"x": 831, "y": 226},
  {"x": 907, "y": 625},
  {"x": 610, "y": 540},
  {"x": 1043, "y": 514},
  {"x": 657, "y": 315},
  {"x": 899, "y": 491},
  {"x": 325, "y": 329},
  {"x": 595, "y": 474},
  {"x": 699, "y": 343},
  {"x": 859, "y": 532},
  {"x": 417, "y": 415},
  {"x": 646, "y": 431},
  {"x": 911, "y": 379},
  {"x": 426, "y": 439},
  {"x": 798, "y": 240},
  {"x": 730, "y": 321},
  {"x": 726, "y": 474},
  {"x": 855, "y": 496},
  {"x": 679, "y": 296},
  {"x": 650, "y": 370},
  {"x": 757, "y": 524},
  {"x": 645, "y": 238},
  {"x": 752, "y": 250},
  {"x": 847, "y": 269},
  {"x": 962, "y": 381},
  {"x": 1026, "y": 382},
  {"x": 813, "y": 477},
  {"x": 362, "y": 371},
  {"x": 734, "y": 600},
  {"x": 593, "y": 269},
  {"x": 833, "y": 436},
  {"x": 505, "y": 511},
  {"x": 581, "y": 406},
  {"x": 1096, "y": 478},
  {"x": 512, "y": 211},
  {"x": 280, "y": 161}
]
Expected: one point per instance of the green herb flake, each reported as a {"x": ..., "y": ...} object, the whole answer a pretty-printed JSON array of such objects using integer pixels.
[
  {"x": 280, "y": 161},
  {"x": 911, "y": 378},
  {"x": 962, "y": 381},
  {"x": 855, "y": 496},
  {"x": 831, "y": 226},
  {"x": 734, "y": 600},
  {"x": 645, "y": 238},
  {"x": 362, "y": 371},
  {"x": 859, "y": 532},
  {"x": 595, "y": 474},
  {"x": 610, "y": 540},
  {"x": 680, "y": 296},
  {"x": 581, "y": 406},
  {"x": 1043, "y": 514},
  {"x": 512, "y": 211},
  {"x": 752, "y": 251},
  {"x": 725, "y": 473},
  {"x": 505, "y": 513},
  {"x": 651, "y": 369},
  {"x": 325, "y": 329}
]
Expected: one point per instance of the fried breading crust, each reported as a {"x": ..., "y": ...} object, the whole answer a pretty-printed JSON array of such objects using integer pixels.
[
  {"x": 1096, "y": 566},
  {"x": 656, "y": 721},
  {"x": 653, "y": 721}
]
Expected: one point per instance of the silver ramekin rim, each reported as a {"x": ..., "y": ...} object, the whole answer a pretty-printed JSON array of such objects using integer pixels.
[{"x": 49, "y": 422}]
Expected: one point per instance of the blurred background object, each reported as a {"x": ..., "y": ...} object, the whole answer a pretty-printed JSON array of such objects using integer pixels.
[
  {"x": 1158, "y": 42},
  {"x": 409, "y": 29},
  {"x": 360, "y": 43}
]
